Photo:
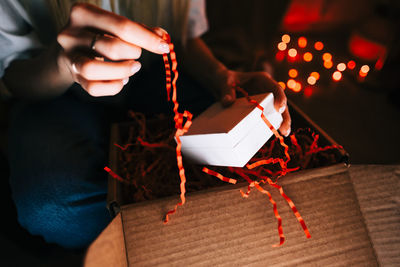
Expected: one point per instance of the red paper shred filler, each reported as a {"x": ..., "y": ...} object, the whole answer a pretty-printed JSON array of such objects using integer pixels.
[
  {"x": 292, "y": 206},
  {"x": 278, "y": 217},
  {"x": 219, "y": 176},
  {"x": 180, "y": 127},
  {"x": 114, "y": 175}
]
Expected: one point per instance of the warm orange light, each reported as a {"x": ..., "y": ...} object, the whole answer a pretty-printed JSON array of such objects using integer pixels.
[
  {"x": 328, "y": 64},
  {"x": 311, "y": 80},
  {"x": 364, "y": 69},
  {"x": 315, "y": 75},
  {"x": 362, "y": 74},
  {"x": 297, "y": 87},
  {"x": 302, "y": 42},
  {"x": 318, "y": 46},
  {"x": 337, "y": 75},
  {"x": 286, "y": 38},
  {"x": 327, "y": 56},
  {"x": 291, "y": 83},
  {"x": 293, "y": 73},
  {"x": 341, "y": 67},
  {"x": 282, "y": 46},
  {"x": 282, "y": 84},
  {"x": 351, "y": 64},
  {"x": 307, "y": 56},
  {"x": 292, "y": 52}
]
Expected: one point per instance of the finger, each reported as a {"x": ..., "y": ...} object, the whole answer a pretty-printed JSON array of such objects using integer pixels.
[
  {"x": 228, "y": 97},
  {"x": 92, "y": 69},
  {"x": 159, "y": 31},
  {"x": 86, "y": 15},
  {"x": 286, "y": 123},
  {"x": 102, "y": 88},
  {"x": 105, "y": 45},
  {"x": 280, "y": 100}
]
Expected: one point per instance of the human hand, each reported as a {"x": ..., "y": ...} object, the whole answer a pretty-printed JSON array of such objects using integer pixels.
[
  {"x": 92, "y": 35},
  {"x": 255, "y": 83}
]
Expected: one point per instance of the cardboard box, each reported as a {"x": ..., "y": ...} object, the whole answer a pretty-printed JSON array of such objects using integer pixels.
[
  {"x": 219, "y": 228},
  {"x": 230, "y": 136}
]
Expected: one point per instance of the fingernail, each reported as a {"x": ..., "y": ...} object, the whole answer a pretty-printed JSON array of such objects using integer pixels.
[
  {"x": 74, "y": 68},
  {"x": 227, "y": 98},
  {"x": 125, "y": 81},
  {"x": 288, "y": 132},
  {"x": 136, "y": 67},
  {"x": 164, "y": 47},
  {"x": 282, "y": 109}
]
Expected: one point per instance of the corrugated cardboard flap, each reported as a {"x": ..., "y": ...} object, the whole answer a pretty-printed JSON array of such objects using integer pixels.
[{"x": 219, "y": 227}]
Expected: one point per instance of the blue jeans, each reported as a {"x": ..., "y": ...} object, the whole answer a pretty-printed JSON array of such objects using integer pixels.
[{"x": 57, "y": 152}]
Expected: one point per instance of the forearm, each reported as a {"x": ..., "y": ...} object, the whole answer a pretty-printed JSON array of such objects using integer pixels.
[
  {"x": 199, "y": 62},
  {"x": 44, "y": 76}
]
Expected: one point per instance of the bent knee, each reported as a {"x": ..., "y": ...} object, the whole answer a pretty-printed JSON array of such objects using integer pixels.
[{"x": 70, "y": 226}]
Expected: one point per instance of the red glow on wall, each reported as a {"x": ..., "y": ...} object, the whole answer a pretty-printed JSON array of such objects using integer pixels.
[{"x": 366, "y": 49}]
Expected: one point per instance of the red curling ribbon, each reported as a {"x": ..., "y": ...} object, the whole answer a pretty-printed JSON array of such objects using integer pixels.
[
  {"x": 153, "y": 145},
  {"x": 219, "y": 176},
  {"x": 295, "y": 143},
  {"x": 292, "y": 206},
  {"x": 114, "y": 175},
  {"x": 277, "y": 216},
  {"x": 125, "y": 147},
  {"x": 180, "y": 127},
  {"x": 319, "y": 149},
  {"x": 271, "y": 127}
]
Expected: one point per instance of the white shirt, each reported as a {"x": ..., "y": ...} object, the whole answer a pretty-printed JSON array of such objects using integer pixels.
[{"x": 20, "y": 38}]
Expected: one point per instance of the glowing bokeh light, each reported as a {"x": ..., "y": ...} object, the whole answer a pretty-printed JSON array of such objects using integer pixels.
[
  {"x": 282, "y": 84},
  {"x": 337, "y": 76},
  {"x": 291, "y": 84},
  {"x": 297, "y": 87},
  {"x": 282, "y": 46},
  {"x": 293, "y": 73},
  {"x": 318, "y": 46},
  {"x": 351, "y": 64},
  {"x": 328, "y": 64},
  {"x": 292, "y": 52},
  {"x": 364, "y": 69},
  {"x": 307, "y": 56},
  {"x": 308, "y": 91},
  {"x": 311, "y": 80},
  {"x": 341, "y": 67},
  {"x": 302, "y": 42},
  {"x": 280, "y": 55},
  {"x": 327, "y": 57},
  {"x": 286, "y": 38},
  {"x": 362, "y": 74},
  {"x": 315, "y": 75}
]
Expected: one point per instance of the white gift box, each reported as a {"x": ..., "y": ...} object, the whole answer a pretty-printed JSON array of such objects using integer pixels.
[{"x": 230, "y": 136}]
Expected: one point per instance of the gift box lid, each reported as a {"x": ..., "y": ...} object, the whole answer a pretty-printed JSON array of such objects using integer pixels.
[{"x": 230, "y": 136}]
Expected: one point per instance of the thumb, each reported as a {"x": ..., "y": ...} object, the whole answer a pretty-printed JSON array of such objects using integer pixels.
[{"x": 228, "y": 96}]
